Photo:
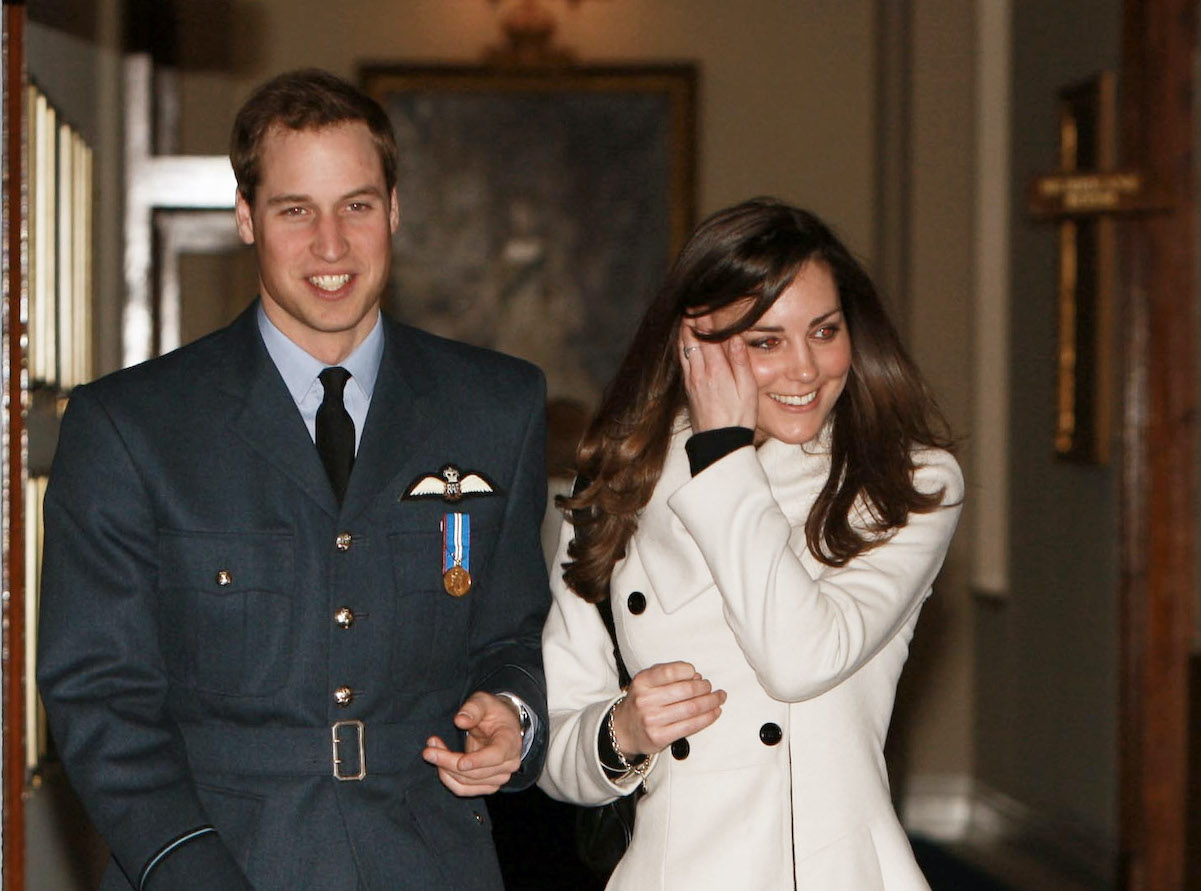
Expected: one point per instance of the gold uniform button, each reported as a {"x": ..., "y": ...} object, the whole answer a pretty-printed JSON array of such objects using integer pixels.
[
  {"x": 344, "y": 617},
  {"x": 344, "y": 696},
  {"x": 224, "y": 577},
  {"x": 343, "y": 541}
]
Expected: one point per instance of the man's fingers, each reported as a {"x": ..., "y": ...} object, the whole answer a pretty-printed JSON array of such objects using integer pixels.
[
  {"x": 470, "y": 713},
  {"x": 470, "y": 788},
  {"x": 437, "y": 753},
  {"x": 481, "y": 764}
]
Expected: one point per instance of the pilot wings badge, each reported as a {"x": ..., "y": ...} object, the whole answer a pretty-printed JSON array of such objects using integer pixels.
[{"x": 451, "y": 485}]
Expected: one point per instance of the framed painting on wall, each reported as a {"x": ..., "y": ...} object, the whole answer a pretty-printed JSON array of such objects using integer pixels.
[{"x": 539, "y": 208}]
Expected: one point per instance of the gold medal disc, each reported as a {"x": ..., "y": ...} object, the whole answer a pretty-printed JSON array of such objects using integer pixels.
[{"x": 456, "y": 581}]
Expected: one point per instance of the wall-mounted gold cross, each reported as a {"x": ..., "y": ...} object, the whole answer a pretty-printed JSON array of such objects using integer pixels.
[{"x": 1084, "y": 196}]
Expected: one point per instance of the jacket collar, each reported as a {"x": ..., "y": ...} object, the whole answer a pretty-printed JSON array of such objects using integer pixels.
[
  {"x": 674, "y": 564},
  {"x": 402, "y": 406}
]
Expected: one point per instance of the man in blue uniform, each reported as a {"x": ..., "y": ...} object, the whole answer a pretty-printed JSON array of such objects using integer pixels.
[{"x": 293, "y": 586}]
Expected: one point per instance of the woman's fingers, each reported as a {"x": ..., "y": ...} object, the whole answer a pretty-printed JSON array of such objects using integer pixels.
[
  {"x": 664, "y": 673},
  {"x": 663, "y": 703},
  {"x": 662, "y": 726},
  {"x": 717, "y": 378},
  {"x": 669, "y": 733}
]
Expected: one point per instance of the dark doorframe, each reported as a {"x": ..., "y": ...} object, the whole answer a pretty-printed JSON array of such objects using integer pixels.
[
  {"x": 1158, "y": 513},
  {"x": 12, "y": 492}
]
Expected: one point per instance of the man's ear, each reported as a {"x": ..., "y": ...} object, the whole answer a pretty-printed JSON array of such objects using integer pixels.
[
  {"x": 244, "y": 218},
  {"x": 393, "y": 210}
]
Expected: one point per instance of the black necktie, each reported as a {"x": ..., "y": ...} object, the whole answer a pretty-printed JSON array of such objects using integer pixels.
[{"x": 335, "y": 430}]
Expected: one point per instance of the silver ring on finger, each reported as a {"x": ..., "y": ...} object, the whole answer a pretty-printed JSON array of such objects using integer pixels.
[{"x": 689, "y": 349}]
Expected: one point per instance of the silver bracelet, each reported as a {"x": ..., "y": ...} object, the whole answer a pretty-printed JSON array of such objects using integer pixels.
[{"x": 643, "y": 764}]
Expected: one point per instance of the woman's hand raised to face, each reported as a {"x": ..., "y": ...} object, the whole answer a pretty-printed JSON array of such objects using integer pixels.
[
  {"x": 721, "y": 389},
  {"x": 664, "y": 703}
]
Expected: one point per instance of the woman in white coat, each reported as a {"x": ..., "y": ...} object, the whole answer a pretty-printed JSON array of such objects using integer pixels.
[{"x": 765, "y": 497}]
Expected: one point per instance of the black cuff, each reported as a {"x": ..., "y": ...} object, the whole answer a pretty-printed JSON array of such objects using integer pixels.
[
  {"x": 608, "y": 755},
  {"x": 709, "y": 446}
]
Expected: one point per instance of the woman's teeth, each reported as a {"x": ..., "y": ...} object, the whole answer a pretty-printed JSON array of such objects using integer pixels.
[{"x": 794, "y": 400}]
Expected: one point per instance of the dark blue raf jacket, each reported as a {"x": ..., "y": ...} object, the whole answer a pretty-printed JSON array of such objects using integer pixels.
[{"x": 216, "y": 632}]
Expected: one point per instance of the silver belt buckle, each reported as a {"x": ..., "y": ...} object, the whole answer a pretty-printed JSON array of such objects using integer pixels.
[{"x": 337, "y": 741}]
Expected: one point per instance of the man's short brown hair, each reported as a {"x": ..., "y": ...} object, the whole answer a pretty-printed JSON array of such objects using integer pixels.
[{"x": 305, "y": 99}]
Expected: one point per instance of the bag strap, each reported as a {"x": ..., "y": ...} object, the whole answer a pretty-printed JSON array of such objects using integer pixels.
[{"x": 604, "y": 607}]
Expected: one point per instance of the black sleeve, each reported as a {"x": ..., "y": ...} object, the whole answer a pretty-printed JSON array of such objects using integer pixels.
[{"x": 711, "y": 445}]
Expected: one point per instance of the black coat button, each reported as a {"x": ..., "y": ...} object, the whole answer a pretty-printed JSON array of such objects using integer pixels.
[
  {"x": 770, "y": 734},
  {"x": 680, "y": 749},
  {"x": 637, "y": 603}
]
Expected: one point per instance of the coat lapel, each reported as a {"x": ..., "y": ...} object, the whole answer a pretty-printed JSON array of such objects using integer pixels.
[
  {"x": 268, "y": 421},
  {"x": 404, "y": 406}
]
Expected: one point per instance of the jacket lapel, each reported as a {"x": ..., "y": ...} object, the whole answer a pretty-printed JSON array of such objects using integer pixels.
[
  {"x": 404, "y": 406},
  {"x": 268, "y": 421}
]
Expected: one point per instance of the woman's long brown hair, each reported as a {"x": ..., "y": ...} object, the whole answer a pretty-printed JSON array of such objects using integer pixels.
[{"x": 754, "y": 250}]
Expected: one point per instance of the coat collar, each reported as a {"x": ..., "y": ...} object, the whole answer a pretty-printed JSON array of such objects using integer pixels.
[
  {"x": 671, "y": 558},
  {"x": 402, "y": 406}
]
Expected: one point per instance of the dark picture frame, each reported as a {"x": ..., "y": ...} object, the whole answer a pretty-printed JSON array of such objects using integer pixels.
[{"x": 539, "y": 208}]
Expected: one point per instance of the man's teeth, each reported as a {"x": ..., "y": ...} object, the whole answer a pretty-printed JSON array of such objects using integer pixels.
[
  {"x": 794, "y": 400},
  {"x": 329, "y": 282}
]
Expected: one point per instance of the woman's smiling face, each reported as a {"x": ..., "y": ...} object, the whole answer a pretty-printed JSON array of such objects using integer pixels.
[{"x": 800, "y": 355}]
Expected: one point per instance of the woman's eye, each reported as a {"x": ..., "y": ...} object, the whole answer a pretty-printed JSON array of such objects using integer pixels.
[
  {"x": 826, "y": 332},
  {"x": 764, "y": 343}
]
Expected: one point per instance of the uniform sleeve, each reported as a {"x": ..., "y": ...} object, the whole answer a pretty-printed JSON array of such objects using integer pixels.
[
  {"x": 506, "y": 655},
  {"x": 581, "y": 677},
  {"x": 805, "y": 633},
  {"x": 100, "y": 669}
]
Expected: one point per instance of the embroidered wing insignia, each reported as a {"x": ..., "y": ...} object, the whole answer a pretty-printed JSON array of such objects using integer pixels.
[{"x": 451, "y": 485}]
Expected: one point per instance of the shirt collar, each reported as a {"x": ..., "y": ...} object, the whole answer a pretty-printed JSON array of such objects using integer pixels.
[{"x": 299, "y": 369}]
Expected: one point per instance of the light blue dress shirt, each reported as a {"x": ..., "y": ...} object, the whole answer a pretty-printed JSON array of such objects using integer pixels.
[{"x": 299, "y": 371}]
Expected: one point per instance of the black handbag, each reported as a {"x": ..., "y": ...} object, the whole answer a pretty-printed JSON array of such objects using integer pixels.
[{"x": 603, "y": 833}]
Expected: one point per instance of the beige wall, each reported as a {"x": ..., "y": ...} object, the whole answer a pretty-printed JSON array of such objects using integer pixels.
[
  {"x": 939, "y": 331},
  {"x": 786, "y": 86}
]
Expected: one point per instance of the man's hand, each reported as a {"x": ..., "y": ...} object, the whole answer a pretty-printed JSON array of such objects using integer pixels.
[{"x": 492, "y": 752}]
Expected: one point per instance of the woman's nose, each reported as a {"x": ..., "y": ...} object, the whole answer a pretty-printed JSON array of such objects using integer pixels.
[{"x": 802, "y": 368}]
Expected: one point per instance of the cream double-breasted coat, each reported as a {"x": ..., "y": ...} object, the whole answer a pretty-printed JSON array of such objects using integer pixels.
[{"x": 788, "y": 788}]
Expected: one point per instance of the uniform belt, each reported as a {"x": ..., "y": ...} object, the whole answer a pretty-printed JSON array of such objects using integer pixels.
[{"x": 348, "y": 750}]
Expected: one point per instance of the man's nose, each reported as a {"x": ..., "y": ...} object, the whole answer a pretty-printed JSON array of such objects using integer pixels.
[{"x": 329, "y": 243}]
